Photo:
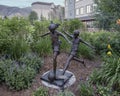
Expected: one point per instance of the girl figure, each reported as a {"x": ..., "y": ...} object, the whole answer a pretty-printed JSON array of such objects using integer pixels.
[{"x": 54, "y": 34}]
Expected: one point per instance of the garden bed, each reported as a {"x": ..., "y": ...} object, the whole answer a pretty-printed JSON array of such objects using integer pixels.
[{"x": 78, "y": 69}]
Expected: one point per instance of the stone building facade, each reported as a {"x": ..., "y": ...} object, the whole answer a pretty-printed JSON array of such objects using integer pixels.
[
  {"x": 48, "y": 11},
  {"x": 81, "y": 9},
  {"x": 69, "y": 9}
]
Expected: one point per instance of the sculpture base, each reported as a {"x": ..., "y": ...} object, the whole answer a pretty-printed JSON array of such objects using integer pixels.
[{"x": 58, "y": 82}]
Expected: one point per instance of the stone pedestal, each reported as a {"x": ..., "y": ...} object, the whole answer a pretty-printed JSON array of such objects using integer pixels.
[{"x": 59, "y": 83}]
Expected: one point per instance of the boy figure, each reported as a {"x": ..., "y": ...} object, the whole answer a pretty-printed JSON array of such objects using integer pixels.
[
  {"x": 54, "y": 34},
  {"x": 74, "y": 48}
]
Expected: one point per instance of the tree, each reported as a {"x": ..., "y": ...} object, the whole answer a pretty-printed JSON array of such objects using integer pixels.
[
  {"x": 33, "y": 16},
  {"x": 108, "y": 13}
]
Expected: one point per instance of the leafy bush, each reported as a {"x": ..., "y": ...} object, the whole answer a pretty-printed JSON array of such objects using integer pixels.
[
  {"x": 72, "y": 25},
  {"x": 1, "y": 71},
  {"x": 19, "y": 74},
  {"x": 65, "y": 46},
  {"x": 115, "y": 43},
  {"x": 86, "y": 52},
  {"x": 104, "y": 91},
  {"x": 86, "y": 89},
  {"x": 18, "y": 48},
  {"x": 100, "y": 42},
  {"x": 111, "y": 70},
  {"x": 42, "y": 47},
  {"x": 13, "y": 35},
  {"x": 32, "y": 61},
  {"x": 95, "y": 77},
  {"x": 18, "y": 77},
  {"x": 40, "y": 28},
  {"x": 108, "y": 75},
  {"x": 41, "y": 91}
]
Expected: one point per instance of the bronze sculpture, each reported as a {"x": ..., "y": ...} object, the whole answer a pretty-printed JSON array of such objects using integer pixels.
[
  {"x": 54, "y": 34},
  {"x": 74, "y": 48},
  {"x": 60, "y": 77}
]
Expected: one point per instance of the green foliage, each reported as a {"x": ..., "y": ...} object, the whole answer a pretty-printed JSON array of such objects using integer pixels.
[
  {"x": 19, "y": 74},
  {"x": 86, "y": 52},
  {"x": 14, "y": 47},
  {"x": 100, "y": 41},
  {"x": 33, "y": 16},
  {"x": 115, "y": 43},
  {"x": 72, "y": 25},
  {"x": 40, "y": 28},
  {"x": 86, "y": 89},
  {"x": 111, "y": 69},
  {"x": 66, "y": 93},
  {"x": 13, "y": 37},
  {"x": 1, "y": 71},
  {"x": 95, "y": 77},
  {"x": 41, "y": 91},
  {"x": 65, "y": 46},
  {"x": 109, "y": 74},
  {"x": 18, "y": 48},
  {"x": 109, "y": 12},
  {"x": 18, "y": 77},
  {"x": 14, "y": 26},
  {"x": 104, "y": 91},
  {"x": 32, "y": 61},
  {"x": 42, "y": 47}
]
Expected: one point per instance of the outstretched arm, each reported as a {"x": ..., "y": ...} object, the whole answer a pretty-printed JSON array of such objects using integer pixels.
[
  {"x": 87, "y": 44},
  {"x": 61, "y": 34},
  {"x": 45, "y": 34},
  {"x": 68, "y": 34}
]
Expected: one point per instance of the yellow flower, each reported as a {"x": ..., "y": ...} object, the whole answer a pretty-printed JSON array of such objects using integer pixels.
[
  {"x": 109, "y": 53},
  {"x": 109, "y": 47}
]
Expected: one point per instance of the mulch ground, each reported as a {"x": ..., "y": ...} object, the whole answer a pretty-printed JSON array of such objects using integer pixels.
[{"x": 77, "y": 68}]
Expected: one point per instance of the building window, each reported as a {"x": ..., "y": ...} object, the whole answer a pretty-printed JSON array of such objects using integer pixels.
[
  {"x": 77, "y": 11},
  {"x": 94, "y": 6},
  {"x": 88, "y": 9},
  {"x": 81, "y": 10}
]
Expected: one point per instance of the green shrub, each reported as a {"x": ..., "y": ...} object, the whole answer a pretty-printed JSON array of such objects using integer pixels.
[
  {"x": 86, "y": 89},
  {"x": 42, "y": 47},
  {"x": 2, "y": 65},
  {"x": 19, "y": 74},
  {"x": 18, "y": 77},
  {"x": 110, "y": 72},
  {"x": 72, "y": 25},
  {"x": 101, "y": 42},
  {"x": 41, "y": 91},
  {"x": 18, "y": 48},
  {"x": 108, "y": 75},
  {"x": 13, "y": 35},
  {"x": 104, "y": 91},
  {"x": 86, "y": 52},
  {"x": 115, "y": 43},
  {"x": 95, "y": 77},
  {"x": 32, "y": 61},
  {"x": 65, "y": 46},
  {"x": 39, "y": 29}
]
